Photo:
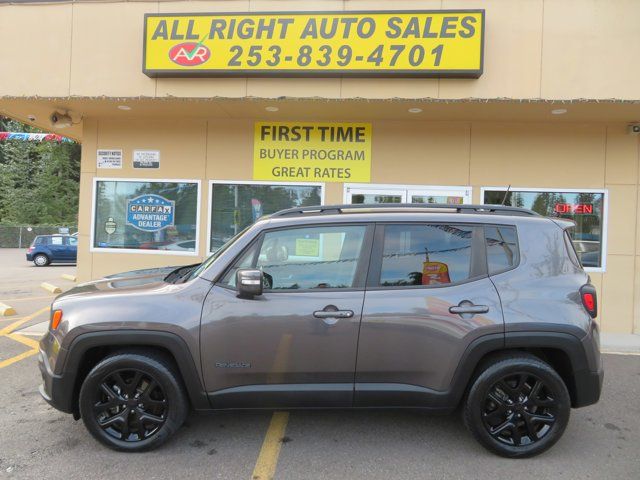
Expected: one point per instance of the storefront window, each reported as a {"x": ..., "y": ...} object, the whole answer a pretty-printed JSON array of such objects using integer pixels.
[
  {"x": 236, "y": 205},
  {"x": 386, "y": 193},
  {"x": 584, "y": 208},
  {"x": 146, "y": 215}
]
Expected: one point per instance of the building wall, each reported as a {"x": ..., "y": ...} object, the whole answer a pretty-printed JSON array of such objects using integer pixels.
[
  {"x": 549, "y": 49},
  {"x": 433, "y": 153}
]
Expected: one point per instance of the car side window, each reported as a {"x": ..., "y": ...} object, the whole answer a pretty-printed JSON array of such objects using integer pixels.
[
  {"x": 305, "y": 258},
  {"x": 73, "y": 241},
  {"x": 56, "y": 240},
  {"x": 426, "y": 254},
  {"x": 502, "y": 248}
]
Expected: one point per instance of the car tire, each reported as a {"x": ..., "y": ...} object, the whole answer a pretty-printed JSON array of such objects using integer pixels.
[
  {"x": 518, "y": 406},
  {"x": 41, "y": 260},
  {"x": 133, "y": 401}
]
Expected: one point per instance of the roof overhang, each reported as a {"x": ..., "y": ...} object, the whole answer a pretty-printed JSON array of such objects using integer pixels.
[{"x": 318, "y": 109}]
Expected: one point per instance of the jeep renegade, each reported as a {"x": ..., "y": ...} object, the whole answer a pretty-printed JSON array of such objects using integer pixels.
[{"x": 349, "y": 306}]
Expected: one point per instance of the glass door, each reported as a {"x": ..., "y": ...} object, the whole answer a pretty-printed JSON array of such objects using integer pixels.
[
  {"x": 375, "y": 195},
  {"x": 372, "y": 194},
  {"x": 442, "y": 195}
]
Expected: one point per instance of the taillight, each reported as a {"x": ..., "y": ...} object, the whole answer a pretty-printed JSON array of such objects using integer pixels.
[
  {"x": 30, "y": 249},
  {"x": 56, "y": 318},
  {"x": 589, "y": 299}
]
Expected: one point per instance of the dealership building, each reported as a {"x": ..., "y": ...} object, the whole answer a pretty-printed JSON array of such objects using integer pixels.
[{"x": 197, "y": 117}]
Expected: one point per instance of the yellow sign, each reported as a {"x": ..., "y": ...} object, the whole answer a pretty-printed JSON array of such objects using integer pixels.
[
  {"x": 307, "y": 247},
  {"x": 442, "y": 43},
  {"x": 321, "y": 152}
]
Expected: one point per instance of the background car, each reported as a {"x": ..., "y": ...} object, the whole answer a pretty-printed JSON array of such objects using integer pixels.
[
  {"x": 186, "y": 245},
  {"x": 47, "y": 249}
]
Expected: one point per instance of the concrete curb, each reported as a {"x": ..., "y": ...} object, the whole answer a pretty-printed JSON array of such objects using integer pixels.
[
  {"x": 622, "y": 343},
  {"x": 66, "y": 276},
  {"x": 6, "y": 310},
  {"x": 50, "y": 288}
]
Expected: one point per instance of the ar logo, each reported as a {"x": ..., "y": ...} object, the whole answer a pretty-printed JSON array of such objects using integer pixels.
[{"x": 189, "y": 54}]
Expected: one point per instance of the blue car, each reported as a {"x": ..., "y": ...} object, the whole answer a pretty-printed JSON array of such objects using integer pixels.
[{"x": 46, "y": 249}]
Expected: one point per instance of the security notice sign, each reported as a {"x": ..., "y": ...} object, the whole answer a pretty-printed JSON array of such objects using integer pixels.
[
  {"x": 442, "y": 43},
  {"x": 320, "y": 152},
  {"x": 109, "y": 158}
]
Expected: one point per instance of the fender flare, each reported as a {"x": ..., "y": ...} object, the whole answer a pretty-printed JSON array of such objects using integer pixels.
[
  {"x": 568, "y": 343},
  {"x": 171, "y": 342}
]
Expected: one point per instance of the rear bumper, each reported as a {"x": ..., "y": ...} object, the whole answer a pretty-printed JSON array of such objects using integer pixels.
[
  {"x": 29, "y": 257},
  {"x": 588, "y": 387}
]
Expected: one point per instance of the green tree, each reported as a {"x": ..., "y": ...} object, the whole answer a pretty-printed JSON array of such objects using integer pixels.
[{"x": 39, "y": 182}]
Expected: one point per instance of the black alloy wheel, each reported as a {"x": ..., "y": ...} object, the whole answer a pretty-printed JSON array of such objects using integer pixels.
[
  {"x": 130, "y": 405},
  {"x": 517, "y": 406},
  {"x": 519, "y": 409},
  {"x": 133, "y": 401}
]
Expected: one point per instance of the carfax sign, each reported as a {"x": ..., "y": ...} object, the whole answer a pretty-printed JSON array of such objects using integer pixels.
[
  {"x": 305, "y": 151},
  {"x": 150, "y": 212},
  {"x": 442, "y": 43}
]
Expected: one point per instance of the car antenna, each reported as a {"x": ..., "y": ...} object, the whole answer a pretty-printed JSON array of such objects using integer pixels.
[{"x": 506, "y": 194}]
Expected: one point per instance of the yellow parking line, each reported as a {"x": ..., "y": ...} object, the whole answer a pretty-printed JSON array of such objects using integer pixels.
[
  {"x": 29, "y": 342},
  {"x": 32, "y": 344},
  {"x": 11, "y": 327},
  {"x": 281, "y": 360},
  {"x": 17, "y": 358},
  {"x": 267, "y": 461},
  {"x": 27, "y": 298}
]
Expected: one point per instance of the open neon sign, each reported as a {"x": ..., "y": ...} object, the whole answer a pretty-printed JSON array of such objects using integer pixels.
[{"x": 578, "y": 208}]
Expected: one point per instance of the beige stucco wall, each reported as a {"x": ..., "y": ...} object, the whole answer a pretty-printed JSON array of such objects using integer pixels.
[
  {"x": 534, "y": 50},
  {"x": 551, "y": 49},
  {"x": 433, "y": 153}
]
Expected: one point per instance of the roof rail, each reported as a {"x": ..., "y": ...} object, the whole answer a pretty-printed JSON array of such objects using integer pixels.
[{"x": 432, "y": 207}]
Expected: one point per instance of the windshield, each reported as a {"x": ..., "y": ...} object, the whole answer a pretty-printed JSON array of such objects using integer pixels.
[{"x": 204, "y": 265}]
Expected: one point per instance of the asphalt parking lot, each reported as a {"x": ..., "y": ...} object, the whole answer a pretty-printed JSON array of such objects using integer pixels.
[{"x": 36, "y": 441}]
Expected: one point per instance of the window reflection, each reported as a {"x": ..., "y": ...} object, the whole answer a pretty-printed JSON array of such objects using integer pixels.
[
  {"x": 143, "y": 215},
  {"x": 584, "y": 208},
  {"x": 235, "y": 206}
]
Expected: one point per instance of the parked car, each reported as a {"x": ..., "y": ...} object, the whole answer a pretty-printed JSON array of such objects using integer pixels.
[
  {"x": 47, "y": 249},
  {"x": 484, "y": 306},
  {"x": 185, "y": 246}
]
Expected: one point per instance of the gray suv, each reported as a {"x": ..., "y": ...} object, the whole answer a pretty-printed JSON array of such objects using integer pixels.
[{"x": 348, "y": 306}]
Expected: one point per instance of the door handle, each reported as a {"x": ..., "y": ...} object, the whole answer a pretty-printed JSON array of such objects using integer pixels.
[
  {"x": 468, "y": 308},
  {"x": 333, "y": 314}
]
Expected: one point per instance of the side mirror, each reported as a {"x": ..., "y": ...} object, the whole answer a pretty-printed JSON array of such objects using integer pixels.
[{"x": 248, "y": 283}]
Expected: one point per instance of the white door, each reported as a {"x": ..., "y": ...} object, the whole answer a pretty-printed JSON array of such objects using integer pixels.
[
  {"x": 374, "y": 195},
  {"x": 371, "y": 194}
]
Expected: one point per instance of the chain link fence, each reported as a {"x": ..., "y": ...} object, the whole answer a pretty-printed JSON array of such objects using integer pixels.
[{"x": 21, "y": 236}]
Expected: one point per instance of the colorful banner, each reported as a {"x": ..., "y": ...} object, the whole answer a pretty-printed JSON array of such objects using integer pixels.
[
  {"x": 34, "y": 137},
  {"x": 425, "y": 43},
  {"x": 312, "y": 152}
]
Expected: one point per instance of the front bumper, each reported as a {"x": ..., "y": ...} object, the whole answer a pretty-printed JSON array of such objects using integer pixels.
[{"x": 54, "y": 388}]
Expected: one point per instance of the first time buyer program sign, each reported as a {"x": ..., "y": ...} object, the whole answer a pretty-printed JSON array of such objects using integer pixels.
[
  {"x": 439, "y": 43},
  {"x": 312, "y": 152}
]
